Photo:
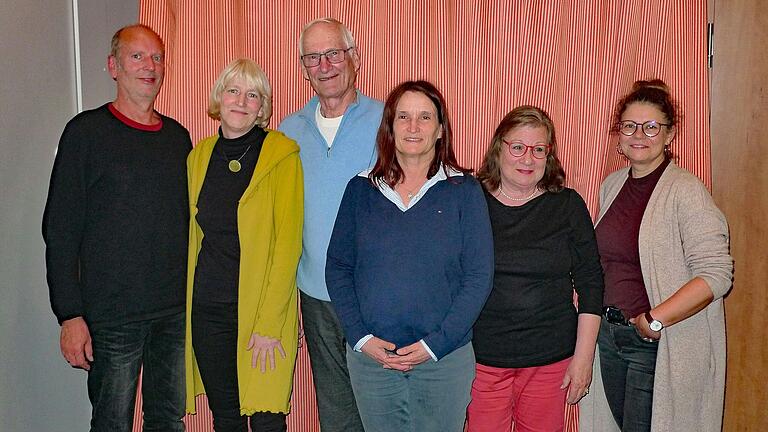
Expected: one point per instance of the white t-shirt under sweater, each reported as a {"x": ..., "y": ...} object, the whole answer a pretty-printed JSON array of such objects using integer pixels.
[{"x": 327, "y": 126}]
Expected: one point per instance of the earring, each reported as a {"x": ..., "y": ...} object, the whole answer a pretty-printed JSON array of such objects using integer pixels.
[{"x": 618, "y": 149}]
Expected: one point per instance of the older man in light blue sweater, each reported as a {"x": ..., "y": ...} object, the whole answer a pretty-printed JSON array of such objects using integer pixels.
[{"x": 336, "y": 131}]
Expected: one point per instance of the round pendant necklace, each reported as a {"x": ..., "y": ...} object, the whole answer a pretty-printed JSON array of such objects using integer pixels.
[
  {"x": 234, "y": 164},
  {"x": 535, "y": 191}
]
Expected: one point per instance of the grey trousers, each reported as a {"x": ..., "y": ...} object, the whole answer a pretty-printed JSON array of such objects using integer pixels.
[{"x": 327, "y": 354}]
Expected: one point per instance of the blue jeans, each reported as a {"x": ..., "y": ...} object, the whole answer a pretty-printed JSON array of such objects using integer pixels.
[
  {"x": 432, "y": 397},
  {"x": 118, "y": 355},
  {"x": 627, "y": 365},
  {"x": 336, "y": 405}
]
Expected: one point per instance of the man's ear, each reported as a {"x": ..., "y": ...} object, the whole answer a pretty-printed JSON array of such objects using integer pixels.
[
  {"x": 112, "y": 66},
  {"x": 355, "y": 58}
]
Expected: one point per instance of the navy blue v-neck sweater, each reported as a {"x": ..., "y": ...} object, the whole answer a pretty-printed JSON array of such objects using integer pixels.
[{"x": 403, "y": 276}]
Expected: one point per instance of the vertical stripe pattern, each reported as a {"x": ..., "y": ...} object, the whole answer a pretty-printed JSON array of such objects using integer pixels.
[{"x": 572, "y": 58}]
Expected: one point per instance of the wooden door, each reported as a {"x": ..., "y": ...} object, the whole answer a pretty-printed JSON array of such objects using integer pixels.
[{"x": 740, "y": 187}]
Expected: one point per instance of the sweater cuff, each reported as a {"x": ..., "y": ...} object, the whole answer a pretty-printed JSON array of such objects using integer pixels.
[
  {"x": 359, "y": 345},
  {"x": 426, "y": 347}
]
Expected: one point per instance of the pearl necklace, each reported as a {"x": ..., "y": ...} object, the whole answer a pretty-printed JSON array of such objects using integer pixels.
[{"x": 535, "y": 191}]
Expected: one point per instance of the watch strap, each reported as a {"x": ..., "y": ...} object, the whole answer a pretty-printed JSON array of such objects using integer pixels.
[{"x": 653, "y": 322}]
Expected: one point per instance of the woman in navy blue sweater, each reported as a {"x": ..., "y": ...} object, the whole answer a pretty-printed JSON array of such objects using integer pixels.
[{"x": 409, "y": 268}]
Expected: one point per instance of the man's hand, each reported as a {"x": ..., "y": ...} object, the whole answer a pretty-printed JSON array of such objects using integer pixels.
[
  {"x": 76, "y": 343},
  {"x": 264, "y": 348}
]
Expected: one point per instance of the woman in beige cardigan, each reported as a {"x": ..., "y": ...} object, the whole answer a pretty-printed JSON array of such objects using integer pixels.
[{"x": 664, "y": 248}]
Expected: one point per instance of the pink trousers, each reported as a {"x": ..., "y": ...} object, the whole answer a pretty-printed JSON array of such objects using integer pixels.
[{"x": 528, "y": 397}]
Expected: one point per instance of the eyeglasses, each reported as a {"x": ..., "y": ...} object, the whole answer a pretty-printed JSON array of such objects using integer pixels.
[
  {"x": 539, "y": 151},
  {"x": 651, "y": 128},
  {"x": 334, "y": 55}
]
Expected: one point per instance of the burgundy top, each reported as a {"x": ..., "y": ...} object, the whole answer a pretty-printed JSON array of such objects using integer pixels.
[{"x": 617, "y": 241}]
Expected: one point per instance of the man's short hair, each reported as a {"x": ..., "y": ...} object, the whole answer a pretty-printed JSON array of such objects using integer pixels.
[
  {"x": 349, "y": 41},
  {"x": 117, "y": 37}
]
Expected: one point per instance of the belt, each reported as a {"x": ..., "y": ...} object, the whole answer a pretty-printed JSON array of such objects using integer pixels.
[{"x": 615, "y": 316}]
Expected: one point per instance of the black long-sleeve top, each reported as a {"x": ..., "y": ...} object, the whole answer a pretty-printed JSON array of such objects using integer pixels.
[
  {"x": 543, "y": 250},
  {"x": 218, "y": 262},
  {"x": 116, "y": 219}
]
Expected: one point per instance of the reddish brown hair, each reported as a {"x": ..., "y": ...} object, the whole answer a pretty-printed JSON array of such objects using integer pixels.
[
  {"x": 654, "y": 92},
  {"x": 525, "y": 115},
  {"x": 387, "y": 168}
]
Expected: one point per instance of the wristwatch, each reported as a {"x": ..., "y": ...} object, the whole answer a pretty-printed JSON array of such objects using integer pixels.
[{"x": 653, "y": 323}]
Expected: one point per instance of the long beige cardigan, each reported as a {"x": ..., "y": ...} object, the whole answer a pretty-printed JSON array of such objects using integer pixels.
[{"x": 682, "y": 235}]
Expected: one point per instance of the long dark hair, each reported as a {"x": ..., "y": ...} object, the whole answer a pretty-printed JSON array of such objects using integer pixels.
[{"x": 387, "y": 168}]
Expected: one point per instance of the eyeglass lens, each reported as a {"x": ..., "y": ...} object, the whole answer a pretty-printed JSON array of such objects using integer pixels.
[
  {"x": 538, "y": 151},
  {"x": 332, "y": 55},
  {"x": 650, "y": 128}
]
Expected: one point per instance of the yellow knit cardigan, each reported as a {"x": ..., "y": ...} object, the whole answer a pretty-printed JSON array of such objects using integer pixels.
[{"x": 269, "y": 218}]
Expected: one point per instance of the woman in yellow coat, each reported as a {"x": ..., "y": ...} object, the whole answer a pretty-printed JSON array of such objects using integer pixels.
[{"x": 246, "y": 210}]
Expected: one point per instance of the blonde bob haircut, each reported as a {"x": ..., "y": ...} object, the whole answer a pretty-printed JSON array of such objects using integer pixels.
[{"x": 256, "y": 80}]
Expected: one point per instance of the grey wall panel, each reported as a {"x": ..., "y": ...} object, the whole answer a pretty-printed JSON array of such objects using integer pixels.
[
  {"x": 98, "y": 21},
  {"x": 38, "y": 390}
]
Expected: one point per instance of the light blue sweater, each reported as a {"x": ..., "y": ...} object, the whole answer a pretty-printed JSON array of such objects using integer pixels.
[{"x": 326, "y": 173}]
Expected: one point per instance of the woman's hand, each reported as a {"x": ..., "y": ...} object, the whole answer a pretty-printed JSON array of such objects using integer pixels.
[
  {"x": 643, "y": 329},
  {"x": 381, "y": 351},
  {"x": 578, "y": 376},
  {"x": 411, "y": 355},
  {"x": 264, "y": 347},
  {"x": 577, "y": 379}
]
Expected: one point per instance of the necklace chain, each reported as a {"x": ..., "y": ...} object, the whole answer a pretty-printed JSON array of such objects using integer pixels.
[
  {"x": 535, "y": 191},
  {"x": 234, "y": 164}
]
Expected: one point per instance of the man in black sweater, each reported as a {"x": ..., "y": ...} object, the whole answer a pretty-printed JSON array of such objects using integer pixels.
[{"x": 115, "y": 228}]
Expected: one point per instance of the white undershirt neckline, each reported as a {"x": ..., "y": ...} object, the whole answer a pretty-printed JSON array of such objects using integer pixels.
[{"x": 328, "y": 127}]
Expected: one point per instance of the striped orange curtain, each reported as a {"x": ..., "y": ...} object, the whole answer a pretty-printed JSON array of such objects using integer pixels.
[{"x": 574, "y": 58}]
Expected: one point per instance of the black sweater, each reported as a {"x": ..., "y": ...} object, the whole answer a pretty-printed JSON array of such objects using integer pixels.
[
  {"x": 116, "y": 220},
  {"x": 218, "y": 262},
  {"x": 543, "y": 249}
]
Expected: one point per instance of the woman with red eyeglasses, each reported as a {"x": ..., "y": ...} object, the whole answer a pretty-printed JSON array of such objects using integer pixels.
[
  {"x": 664, "y": 248},
  {"x": 534, "y": 348}
]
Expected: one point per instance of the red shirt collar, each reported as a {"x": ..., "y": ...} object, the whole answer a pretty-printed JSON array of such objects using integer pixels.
[{"x": 134, "y": 124}]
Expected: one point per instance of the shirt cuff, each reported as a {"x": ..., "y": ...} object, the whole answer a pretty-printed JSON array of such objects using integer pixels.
[
  {"x": 426, "y": 347},
  {"x": 359, "y": 345}
]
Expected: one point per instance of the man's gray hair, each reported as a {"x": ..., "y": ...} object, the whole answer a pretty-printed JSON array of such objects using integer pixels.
[{"x": 349, "y": 41}]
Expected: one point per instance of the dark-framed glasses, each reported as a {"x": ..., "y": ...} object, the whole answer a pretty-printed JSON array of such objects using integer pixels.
[
  {"x": 651, "y": 128},
  {"x": 333, "y": 55},
  {"x": 516, "y": 149}
]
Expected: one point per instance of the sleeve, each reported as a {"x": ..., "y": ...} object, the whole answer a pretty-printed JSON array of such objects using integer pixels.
[
  {"x": 64, "y": 221},
  {"x": 586, "y": 270},
  {"x": 288, "y": 216},
  {"x": 705, "y": 240},
  {"x": 340, "y": 268},
  {"x": 477, "y": 263}
]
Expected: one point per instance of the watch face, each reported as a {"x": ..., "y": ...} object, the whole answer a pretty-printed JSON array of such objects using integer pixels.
[{"x": 655, "y": 325}]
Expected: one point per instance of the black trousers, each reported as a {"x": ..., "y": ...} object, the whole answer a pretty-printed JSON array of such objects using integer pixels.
[{"x": 214, "y": 339}]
